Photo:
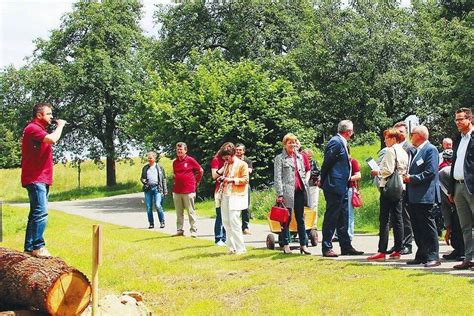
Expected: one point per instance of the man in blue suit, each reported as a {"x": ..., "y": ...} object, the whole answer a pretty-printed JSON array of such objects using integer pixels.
[
  {"x": 461, "y": 190},
  {"x": 422, "y": 192},
  {"x": 335, "y": 174}
]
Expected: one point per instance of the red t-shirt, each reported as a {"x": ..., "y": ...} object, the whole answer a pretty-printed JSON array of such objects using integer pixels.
[
  {"x": 355, "y": 168},
  {"x": 186, "y": 175},
  {"x": 36, "y": 156},
  {"x": 216, "y": 163}
]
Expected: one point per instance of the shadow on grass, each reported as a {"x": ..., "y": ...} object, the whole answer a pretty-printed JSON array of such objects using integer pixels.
[
  {"x": 95, "y": 192},
  {"x": 417, "y": 270},
  {"x": 153, "y": 238},
  {"x": 192, "y": 247}
]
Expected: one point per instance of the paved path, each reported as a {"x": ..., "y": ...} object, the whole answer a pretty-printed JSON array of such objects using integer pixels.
[{"x": 129, "y": 210}]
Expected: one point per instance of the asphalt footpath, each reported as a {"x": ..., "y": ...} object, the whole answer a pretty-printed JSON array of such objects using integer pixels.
[{"x": 129, "y": 210}]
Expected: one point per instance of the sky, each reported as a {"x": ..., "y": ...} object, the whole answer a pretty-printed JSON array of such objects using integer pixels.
[{"x": 22, "y": 21}]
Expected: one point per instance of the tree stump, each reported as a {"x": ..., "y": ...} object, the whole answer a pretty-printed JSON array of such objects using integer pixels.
[{"x": 46, "y": 284}]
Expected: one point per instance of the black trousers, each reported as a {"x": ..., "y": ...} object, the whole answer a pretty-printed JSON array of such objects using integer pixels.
[
  {"x": 390, "y": 210},
  {"x": 407, "y": 229},
  {"x": 457, "y": 241},
  {"x": 298, "y": 212},
  {"x": 424, "y": 231}
]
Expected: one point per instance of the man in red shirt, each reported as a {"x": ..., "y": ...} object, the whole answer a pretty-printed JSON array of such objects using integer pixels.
[
  {"x": 37, "y": 174},
  {"x": 187, "y": 175}
]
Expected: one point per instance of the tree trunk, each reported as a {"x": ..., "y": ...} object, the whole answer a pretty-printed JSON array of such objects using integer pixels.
[
  {"x": 46, "y": 284},
  {"x": 111, "y": 179},
  {"x": 110, "y": 147}
]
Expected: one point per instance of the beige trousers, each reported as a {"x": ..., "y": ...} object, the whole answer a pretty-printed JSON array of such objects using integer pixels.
[{"x": 181, "y": 202}]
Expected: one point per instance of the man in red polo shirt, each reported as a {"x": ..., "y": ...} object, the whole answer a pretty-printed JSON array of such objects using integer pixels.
[
  {"x": 187, "y": 175},
  {"x": 37, "y": 174}
]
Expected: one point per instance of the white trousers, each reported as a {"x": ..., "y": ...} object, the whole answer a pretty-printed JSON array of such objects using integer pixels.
[
  {"x": 233, "y": 227},
  {"x": 314, "y": 194}
]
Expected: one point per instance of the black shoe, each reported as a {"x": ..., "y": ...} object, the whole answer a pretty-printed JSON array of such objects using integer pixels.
[
  {"x": 162, "y": 225},
  {"x": 460, "y": 258},
  {"x": 151, "y": 226},
  {"x": 414, "y": 262},
  {"x": 351, "y": 252},
  {"x": 406, "y": 251},
  {"x": 451, "y": 256},
  {"x": 390, "y": 251}
]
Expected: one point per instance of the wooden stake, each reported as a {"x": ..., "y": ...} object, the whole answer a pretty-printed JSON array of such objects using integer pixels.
[{"x": 96, "y": 261}]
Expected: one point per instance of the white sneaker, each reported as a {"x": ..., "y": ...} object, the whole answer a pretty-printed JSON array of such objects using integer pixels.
[
  {"x": 220, "y": 243},
  {"x": 42, "y": 252},
  {"x": 194, "y": 234},
  {"x": 231, "y": 252}
]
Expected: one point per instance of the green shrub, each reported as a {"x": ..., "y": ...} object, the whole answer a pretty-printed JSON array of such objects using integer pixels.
[{"x": 261, "y": 202}]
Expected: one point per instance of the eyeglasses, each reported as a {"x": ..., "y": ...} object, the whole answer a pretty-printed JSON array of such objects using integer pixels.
[{"x": 460, "y": 119}]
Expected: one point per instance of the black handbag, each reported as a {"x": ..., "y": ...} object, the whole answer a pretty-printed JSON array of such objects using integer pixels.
[{"x": 393, "y": 189}]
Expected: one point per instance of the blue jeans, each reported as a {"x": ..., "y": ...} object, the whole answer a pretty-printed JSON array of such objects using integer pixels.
[
  {"x": 219, "y": 230},
  {"x": 350, "y": 210},
  {"x": 153, "y": 196},
  {"x": 38, "y": 216}
]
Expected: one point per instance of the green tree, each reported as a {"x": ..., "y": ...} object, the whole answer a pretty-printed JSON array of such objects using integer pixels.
[
  {"x": 20, "y": 90},
  {"x": 445, "y": 70},
  {"x": 357, "y": 61},
  {"x": 99, "y": 49},
  {"x": 240, "y": 29},
  {"x": 207, "y": 101}
]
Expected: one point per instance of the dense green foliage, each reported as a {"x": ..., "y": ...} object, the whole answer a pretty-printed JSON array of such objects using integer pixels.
[
  {"x": 246, "y": 71},
  {"x": 207, "y": 101}
]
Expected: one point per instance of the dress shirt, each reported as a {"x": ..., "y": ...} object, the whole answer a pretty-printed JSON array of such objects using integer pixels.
[{"x": 458, "y": 172}]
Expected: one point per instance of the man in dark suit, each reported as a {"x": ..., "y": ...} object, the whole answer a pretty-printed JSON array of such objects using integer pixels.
[
  {"x": 335, "y": 174},
  {"x": 422, "y": 192},
  {"x": 461, "y": 189}
]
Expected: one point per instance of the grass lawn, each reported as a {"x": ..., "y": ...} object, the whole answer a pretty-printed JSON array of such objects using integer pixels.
[{"x": 193, "y": 277}]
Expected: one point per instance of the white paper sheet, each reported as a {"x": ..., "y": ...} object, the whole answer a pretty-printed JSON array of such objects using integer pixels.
[{"x": 372, "y": 164}]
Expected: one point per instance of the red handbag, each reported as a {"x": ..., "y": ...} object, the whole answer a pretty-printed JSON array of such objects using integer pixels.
[
  {"x": 279, "y": 213},
  {"x": 356, "y": 197}
]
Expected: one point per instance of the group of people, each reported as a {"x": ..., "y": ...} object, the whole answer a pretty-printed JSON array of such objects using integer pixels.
[
  {"x": 417, "y": 169},
  {"x": 427, "y": 179},
  {"x": 230, "y": 170}
]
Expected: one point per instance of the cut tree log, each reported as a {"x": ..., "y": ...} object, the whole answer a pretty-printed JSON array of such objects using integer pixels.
[{"x": 45, "y": 284}]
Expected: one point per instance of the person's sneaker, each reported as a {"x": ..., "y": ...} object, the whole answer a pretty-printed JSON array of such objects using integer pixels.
[
  {"x": 247, "y": 231},
  {"x": 380, "y": 256},
  {"x": 162, "y": 225},
  {"x": 42, "y": 252},
  {"x": 220, "y": 243},
  {"x": 179, "y": 233},
  {"x": 394, "y": 255},
  {"x": 231, "y": 252},
  {"x": 151, "y": 226},
  {"x": 194, "y": 234}
]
